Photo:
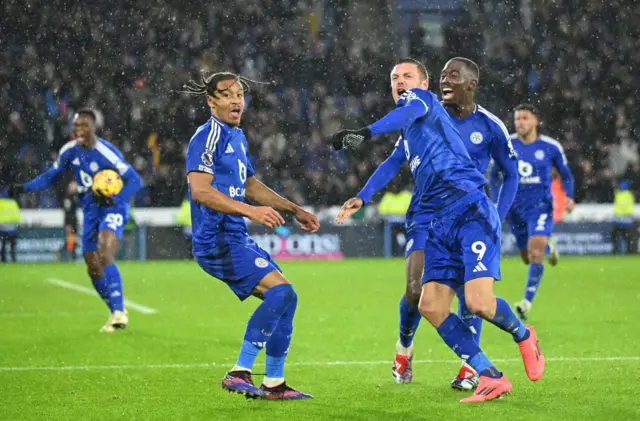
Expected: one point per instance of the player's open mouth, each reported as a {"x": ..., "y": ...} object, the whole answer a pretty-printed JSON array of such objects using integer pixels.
[
  {"x": 401, "y": 91},
  {"x": 447, "y": 93},
  {"x": 235, "y": 113}
]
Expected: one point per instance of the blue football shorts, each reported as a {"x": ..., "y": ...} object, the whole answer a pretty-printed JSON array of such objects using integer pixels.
[
  {"x": 238, "y": 262},
  {"x": 97, "y": 219},
  {"x": 525, "y": 224},
  {"x": 463, "y": 245}
]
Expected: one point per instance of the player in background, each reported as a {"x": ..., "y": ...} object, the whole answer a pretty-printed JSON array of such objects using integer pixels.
[
  {"x": 486, "y": 138},
  {"x": 220, "y": 177},
  {"x": 531, "y": 216},
  {"x": 462, "y": 247},
  {"x": 104, "y": 217},
  {"x": 559, "y": 209}
]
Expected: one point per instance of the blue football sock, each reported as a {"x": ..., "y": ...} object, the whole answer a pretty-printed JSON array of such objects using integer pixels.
[
  {"x": 102, "y": 289},
  {"x": 507, "y": 320},
  {"x": 263, "y": 323},
  {"x": 533, "y": 281},
  {"x": 114, "y": 283},
  {"x": 474, "y": 322},
  {"x": 459, "y": 338},
  {"x": 409, "y": 321},
  {"x": 278, "y": 344},
  {"x": 547, "y": 249}
]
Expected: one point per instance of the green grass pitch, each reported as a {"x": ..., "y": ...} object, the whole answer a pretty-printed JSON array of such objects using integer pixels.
[{"x": 54, "y": 365}]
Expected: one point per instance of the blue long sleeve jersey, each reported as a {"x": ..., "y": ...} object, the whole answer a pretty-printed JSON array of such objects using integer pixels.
[
  {"x": 444, "y": 173},
  {"x": 485, "y": 138},
  {"x": 535, "y": 162},
  {"x": 85, "y": 164}
]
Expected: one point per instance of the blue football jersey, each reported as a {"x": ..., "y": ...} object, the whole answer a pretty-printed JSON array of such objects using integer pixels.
[
  {"x": 438, "y": 159},
  {"x": 535, "y": 162},
  {"x": 220, "y": 150},
  {"x": 485, "y": 138},
  {"x": 85, "y": 164}
]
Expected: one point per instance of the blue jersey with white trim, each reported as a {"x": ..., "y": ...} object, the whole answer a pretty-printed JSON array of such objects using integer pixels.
[
  {"x": 485, "y": 137},
  {"x": 85, "y": 164},
  {"x": 438, "y": 159},
  {"x": 220, "y": 150},
  {"x": 535, "y": 162}
]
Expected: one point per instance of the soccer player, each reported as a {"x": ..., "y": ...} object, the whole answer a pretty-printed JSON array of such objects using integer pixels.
[
  {"x": 531, "y": 216},
  {"x": 220, "y": 177},
  {"x": 485, "y": 137},
  {"x": 462, "y": 247},
  {"x": 104, "y": 217}
]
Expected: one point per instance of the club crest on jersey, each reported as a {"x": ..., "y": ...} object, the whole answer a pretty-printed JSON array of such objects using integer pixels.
[
  {"x": 476, "y": 138},
  {"x": 207, "y": 158},
  {"x": 261, "y": 263},
  {"x": 409, "y": 244},
  {"x": 93, "y": 166},
  {"x": 539, "y": 155}
]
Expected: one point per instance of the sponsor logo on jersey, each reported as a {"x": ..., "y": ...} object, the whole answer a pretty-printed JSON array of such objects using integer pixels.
[{"x": 236, "y": 191}]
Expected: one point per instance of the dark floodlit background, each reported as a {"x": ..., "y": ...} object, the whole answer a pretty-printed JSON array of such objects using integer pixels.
[{"x": 577, "y": 60}]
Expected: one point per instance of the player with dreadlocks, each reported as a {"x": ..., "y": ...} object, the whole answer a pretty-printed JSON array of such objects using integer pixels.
[{"x": 221, "y": 178}]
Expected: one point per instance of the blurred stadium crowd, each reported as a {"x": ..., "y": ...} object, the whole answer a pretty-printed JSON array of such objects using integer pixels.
[{"x": 576, "y": 60}]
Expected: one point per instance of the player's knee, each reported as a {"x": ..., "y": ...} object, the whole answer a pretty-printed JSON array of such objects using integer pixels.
[
  {"x": 95, "y": 271},
  {"x": 433, "y": 311},
  {"x": 480, "y": 304},
  {"x": 105, "y": 259},
  {"x": 287, "y": 294},
  {"x": 535, "y": 255}
]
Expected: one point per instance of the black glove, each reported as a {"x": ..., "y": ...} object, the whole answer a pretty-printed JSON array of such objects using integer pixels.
[
  {"x": 350, "y": 139},
  {"x": 102, "y": 200},
  {"x": 14, "y": 190}
]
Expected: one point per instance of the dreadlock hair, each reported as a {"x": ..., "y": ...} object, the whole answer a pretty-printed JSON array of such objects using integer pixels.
[{"x": 208, "y": 85}]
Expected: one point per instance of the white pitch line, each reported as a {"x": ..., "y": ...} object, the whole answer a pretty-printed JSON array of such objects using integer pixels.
[
  {"x": 50, "y": 314},
  {"x": 84, "y": 290},
  {"x": 296, "y": 364}
]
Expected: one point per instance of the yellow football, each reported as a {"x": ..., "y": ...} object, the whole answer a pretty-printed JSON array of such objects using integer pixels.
[{"x": 107, "y": 182}]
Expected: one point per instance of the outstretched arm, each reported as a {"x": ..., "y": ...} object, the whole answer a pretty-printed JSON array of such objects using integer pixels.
[
  {"x": 401, "y": 117},
  {"x": 46, "y": 179},
  {"x": 410, "y": 108},
  {"x": 382, "y": 175}
]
